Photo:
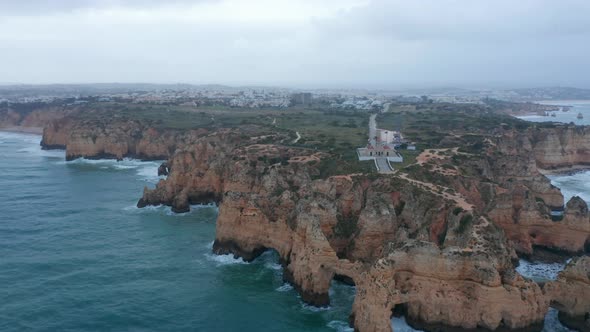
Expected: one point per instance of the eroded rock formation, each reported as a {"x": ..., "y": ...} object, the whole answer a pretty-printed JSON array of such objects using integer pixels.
[
  {"x": 570, "y": 294},
  {"x": 561, "y": 147},
  {"x": 401, "y": 242},
  {"x": 114, "y": 139},
  {"x": 438, "y": 240}
]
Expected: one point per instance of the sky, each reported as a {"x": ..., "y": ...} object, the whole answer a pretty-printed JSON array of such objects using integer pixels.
[{"x": 298, "y": 43}]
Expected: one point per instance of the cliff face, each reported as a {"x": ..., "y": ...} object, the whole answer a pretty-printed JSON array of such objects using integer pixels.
[
  {"x": 524, "y": 200},
  {"x": 37, "y": 118},
  {"x": 401, "y": 243},
  {"x": 437, "y": 240},
  {"x": 113, "y": 139},
  {"x": 561, "y": 147},
  {"x": 570, "y": 294}
]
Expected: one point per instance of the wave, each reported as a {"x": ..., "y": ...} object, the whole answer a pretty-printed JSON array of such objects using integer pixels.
[
  {"x": 167, "y": 210},
  {"x": 145, "y": 170},
  {"x": 285, "y": 288},
  {"x": 314, "y": 308},
  {"x": 36, "y": 150},
  {"x": 399, "y": 324},
  {"x": 273, "y": 266},
  {"x": 552, "y": 323},
  {"x": 221, "y": 260},
  {"x": 539, "y": 271},
  {"x": 10, "y": 137},
  {"x": 577, "y": 184},
  {"x": 341, "y": 326}
]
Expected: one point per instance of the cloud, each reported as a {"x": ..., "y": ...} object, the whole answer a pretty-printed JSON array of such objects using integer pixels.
[
  {"x": 468, "y": 20},
  {"x": 299, "y": 42},
  {"x": 40, "y": 7}
]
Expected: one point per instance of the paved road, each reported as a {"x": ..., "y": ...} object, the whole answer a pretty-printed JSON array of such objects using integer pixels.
[{"x": 383, "y": 165}]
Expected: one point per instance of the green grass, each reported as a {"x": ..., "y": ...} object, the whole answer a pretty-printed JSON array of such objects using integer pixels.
[{"x": 409, "y": 158}]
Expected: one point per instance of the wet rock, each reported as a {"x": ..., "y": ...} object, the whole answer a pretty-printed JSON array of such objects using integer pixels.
[{"x": 163, "y": 169}]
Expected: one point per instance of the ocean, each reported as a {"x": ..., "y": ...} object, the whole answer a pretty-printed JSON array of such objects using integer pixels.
[
  {"x": 578, "y": 106},
  {"x": 577, "y": 184},
  {"x": 77, "y": 255}
]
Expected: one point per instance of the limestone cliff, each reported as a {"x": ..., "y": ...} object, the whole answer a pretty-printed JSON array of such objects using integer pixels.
[
  {"x": 37, "y": 116},
  {"x": 529, "y": 209},
  {"x": 400, "y": 241},
  {"x": 114, "y": 139},
  {"x": 570, "y": 294},
  {"x": 437, "y": 240},
  {"x": 561, "y": 147}
]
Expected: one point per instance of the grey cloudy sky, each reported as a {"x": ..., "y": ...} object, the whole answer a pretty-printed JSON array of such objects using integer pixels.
[{"x": 308, "y": 43}]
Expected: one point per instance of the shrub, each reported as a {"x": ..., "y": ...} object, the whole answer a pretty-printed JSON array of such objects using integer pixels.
[
  {"x": 464, "y": 223},
  {"x": 399, "y": 208}
]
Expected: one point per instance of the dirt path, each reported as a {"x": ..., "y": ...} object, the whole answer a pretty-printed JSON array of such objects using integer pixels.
[
  {"x": 298, "y": 137},
  {"x": 441, "y": 191}
]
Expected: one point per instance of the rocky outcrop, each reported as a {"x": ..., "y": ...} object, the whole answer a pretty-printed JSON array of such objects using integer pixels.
[
  {"x": 529, "y": 208},
  {"x": 439, "y": 244},
  {"x": 33, "y": 115},
  {"x": 570, "y": 294},
  {"x": 93, "y": 139},
  {"x": 502, "y": 181},
  {"x": 400, "y": 243}
]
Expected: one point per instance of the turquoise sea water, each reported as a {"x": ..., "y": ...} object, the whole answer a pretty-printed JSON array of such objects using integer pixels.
[{"x": 76, "y": 255}]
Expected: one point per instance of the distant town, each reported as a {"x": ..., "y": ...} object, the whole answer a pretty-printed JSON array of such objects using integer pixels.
[{"x": 268, "y": 97}]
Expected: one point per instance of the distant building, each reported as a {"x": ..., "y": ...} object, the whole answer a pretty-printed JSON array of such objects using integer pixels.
[
  {"x": 379, "y": 151},
  {"x": 302, "y": 98},
  {"x": 389, "y": 136}
]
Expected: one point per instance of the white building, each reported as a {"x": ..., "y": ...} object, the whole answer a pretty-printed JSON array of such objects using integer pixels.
[
  {"x": 389, "y": 136},
  {"x": 380, "y": 151}
]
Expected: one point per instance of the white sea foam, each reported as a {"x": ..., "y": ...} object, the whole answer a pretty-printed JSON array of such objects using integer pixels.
[
  {"x": 314, "y": 308},
  {"x": 539, "y": 271},
  {"x": 552, "y": 323},
  {"x": 285, "y": 288},
  {"x": 149, "y": 172},
  {"x": 273, "y": 266},
  {"x": 399, "y": 324},
  {"x": 571, "y": 185},
  {"x": 145, "y": 170},
  {"x": 35, "y": 150},
  {"x": 340, "y": 326},
  {"x": 166, "y": 210},
  {"x": 221, "y": 260},
  {"x": 9, "y": 137}
]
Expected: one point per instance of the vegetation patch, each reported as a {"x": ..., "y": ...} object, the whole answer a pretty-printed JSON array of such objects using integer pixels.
[{"x": 464, "y": 223}]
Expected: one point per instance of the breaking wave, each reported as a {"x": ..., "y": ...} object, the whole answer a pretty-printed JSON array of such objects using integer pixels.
[
  {"x": 145, "y": 170},
  {"x": 221, "y": 260},
  {"x": 32, "y": 147},
  {"x": 340, "y": 326},
  {"x": 285, "y": 288},
  {"x": 539, "y": 271},
  {"x": 167, "y": 210},
  {"x": 399, "y": 325},
  {"x": 314, "y": 308},
  {"x": 576, "y": 184},
  {"x": 552, "y": 323}
]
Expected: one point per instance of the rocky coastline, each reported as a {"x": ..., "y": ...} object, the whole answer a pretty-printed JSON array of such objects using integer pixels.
[
  {"x": 403, "y": 241},
  {"x": 398, "y": 243}
]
